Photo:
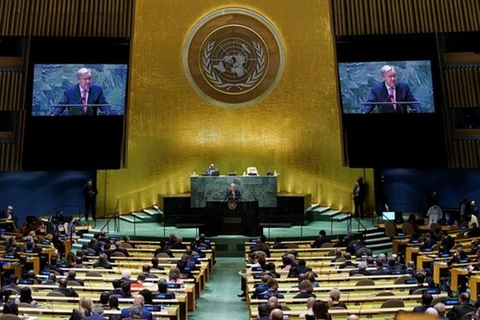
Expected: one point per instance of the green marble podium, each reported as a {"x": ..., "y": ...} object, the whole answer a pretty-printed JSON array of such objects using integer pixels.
[{"x": 253, "y": 188}]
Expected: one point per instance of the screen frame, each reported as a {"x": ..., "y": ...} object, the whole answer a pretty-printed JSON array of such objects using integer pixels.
[{"x": 395, "y": 64}]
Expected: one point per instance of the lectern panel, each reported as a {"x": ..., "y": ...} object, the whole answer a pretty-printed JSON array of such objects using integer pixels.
[{"x": 253, "y": 188}]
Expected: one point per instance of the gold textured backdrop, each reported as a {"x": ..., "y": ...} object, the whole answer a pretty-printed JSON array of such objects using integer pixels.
[{"x": 173, "y": 132}]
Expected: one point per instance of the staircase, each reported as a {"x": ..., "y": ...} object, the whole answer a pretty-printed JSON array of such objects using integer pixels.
[
  {"x": 84, "y": 239},
  {"x": 377, "y": 240},
  {"x": 146, "y": 215},
  {"x": 328, "y": 214}
]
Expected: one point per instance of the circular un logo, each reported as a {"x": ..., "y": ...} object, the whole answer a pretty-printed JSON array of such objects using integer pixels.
[
  {"x": 233, "y": 57},
  {"x": 232, "y": 205}
]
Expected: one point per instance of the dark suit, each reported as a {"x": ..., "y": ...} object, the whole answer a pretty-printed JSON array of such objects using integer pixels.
[
  {"x": 304, "y": 295},
  {"x": 346, "y": 264},
  {"x": 420, "y": 309},
  {"x": 90, "y": 196},
  {"x": 379, "y": 93},
  {"x": 67, "y": 292},
  {"x": 74, "y": 96},
  {"x": 94, "y": 317},
  {"x": 103, "y": 265},
  {"x": 448, "y": 242},
  {"x": 160, "y": 250},
  {"x": 145, "y": 313},
  {"x": 359, "y": 271},
  {"x": 460, "y": 310},
  {"x": 231, "y": 196}
]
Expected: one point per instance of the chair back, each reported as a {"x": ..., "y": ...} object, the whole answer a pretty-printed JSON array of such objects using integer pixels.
[
  {"x": 365, "y": 282},
  {"x": 93, "y": 274},
  {"x": 252, "y": 171},
  {"x": 385, "y": 294},
  {"x": 407, "y": 229},
  {"x": 402, "y": 279},
  {"x": 162, "y": 255},
  {"x": 55, "y": 294},
  {"x": 468, "y": 316},
  {"x": 118, "y": 254},
  {"x": 394, "y": 303},
  {"x": 390, "y": 229}
]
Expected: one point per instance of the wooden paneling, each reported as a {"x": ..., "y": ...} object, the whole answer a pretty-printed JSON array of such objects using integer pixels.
[
  {"x": 364, "y": 17},
  {"x": 14, "y": 17},
  {"x": 462, "y": 86},
  {"x": 86, "y": 18},
  {"x": 11, "y": 82}
]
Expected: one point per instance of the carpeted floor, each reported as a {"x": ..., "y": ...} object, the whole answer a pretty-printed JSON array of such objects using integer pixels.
[{"x": 219, "y": 300}]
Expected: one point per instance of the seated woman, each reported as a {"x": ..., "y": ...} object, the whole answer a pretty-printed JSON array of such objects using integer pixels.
[
  {"x": 26, "y": 297},
  {"x": 84, "y": 309},
  {"x": 320, "y": 312},
  {"x": 174, "y": 276},
  {"x": 113, "y": 303},
  {"x": 10, "y": 307},
  {"x": 305, "y": 289}
]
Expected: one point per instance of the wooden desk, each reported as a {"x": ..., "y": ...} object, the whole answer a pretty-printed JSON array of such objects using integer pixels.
[
  {"x": 398, "y": 244},
  {"x": 357, "y": 310},
  {"x": 189, "y": 289},
  {"x": 61, "y": 302},
  {"x": 170, "y": 312}
]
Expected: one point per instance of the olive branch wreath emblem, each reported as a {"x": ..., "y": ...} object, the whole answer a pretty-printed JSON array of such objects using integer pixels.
[{"x": 217, "y": 81}]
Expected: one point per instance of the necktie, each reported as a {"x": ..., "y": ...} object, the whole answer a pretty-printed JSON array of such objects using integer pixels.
[
  {"x": 84, "y": 101},
  {"x": 392, "y": 98},
  {"x": 233, "y": 194}
]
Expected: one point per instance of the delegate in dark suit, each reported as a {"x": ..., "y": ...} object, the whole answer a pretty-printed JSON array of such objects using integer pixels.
[
  {"x": 379, "y": 93},
  {"x": 233, "y": 195},
  {"x": 145, "y": 313},
  {"x": 74, "y": 96}
]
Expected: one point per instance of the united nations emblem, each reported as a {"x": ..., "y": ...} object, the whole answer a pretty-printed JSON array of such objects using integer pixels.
[
  {"x": 232, "y": 205},
  {"x": 233, "y": 57}
]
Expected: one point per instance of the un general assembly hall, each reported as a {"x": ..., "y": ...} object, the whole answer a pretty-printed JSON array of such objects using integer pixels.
[{"x": 268, "y": 159}]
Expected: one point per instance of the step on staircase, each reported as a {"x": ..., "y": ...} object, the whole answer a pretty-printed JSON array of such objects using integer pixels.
[
  {"x": 377, "y": 240},
  {"x": 146, "y": 215},
  {"x": 321, "y": 213},
  {"x": 329, "y": 214},
  {"x": 86, "y": 238}
]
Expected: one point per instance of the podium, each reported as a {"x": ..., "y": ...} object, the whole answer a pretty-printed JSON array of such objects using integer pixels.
[
  {"x": 77, "y": 109},
  {"x": 232, "y": 217}
]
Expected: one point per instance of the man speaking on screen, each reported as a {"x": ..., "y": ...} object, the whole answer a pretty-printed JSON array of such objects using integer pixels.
[
  {"x": 84, "y": 96},
  {"x": 388, "y": 93}
]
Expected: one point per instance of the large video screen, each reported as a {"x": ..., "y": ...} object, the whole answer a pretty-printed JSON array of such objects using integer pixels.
[
  {"x": 386, "y": 87},
  {"x": 79, "y": 89},
  {"x": 78, "y": 103},
  {"x": 390, "y": 101}
]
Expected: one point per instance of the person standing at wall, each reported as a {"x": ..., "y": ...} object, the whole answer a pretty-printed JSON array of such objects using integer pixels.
[
  {"x": 90, "y": 192},
  {"x": 359, "y": 197}
]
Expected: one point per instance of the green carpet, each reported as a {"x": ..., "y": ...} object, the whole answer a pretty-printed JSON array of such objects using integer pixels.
[{"x": 219, "y": 300}]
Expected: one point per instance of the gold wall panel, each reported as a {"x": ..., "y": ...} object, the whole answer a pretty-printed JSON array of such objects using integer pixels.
[{"x": 173, "y": 132}]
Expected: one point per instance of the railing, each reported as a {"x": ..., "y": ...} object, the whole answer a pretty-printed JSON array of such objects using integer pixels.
[
  {"x": 359, "y": 223},
  {"x": 115, "y": 216}
]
